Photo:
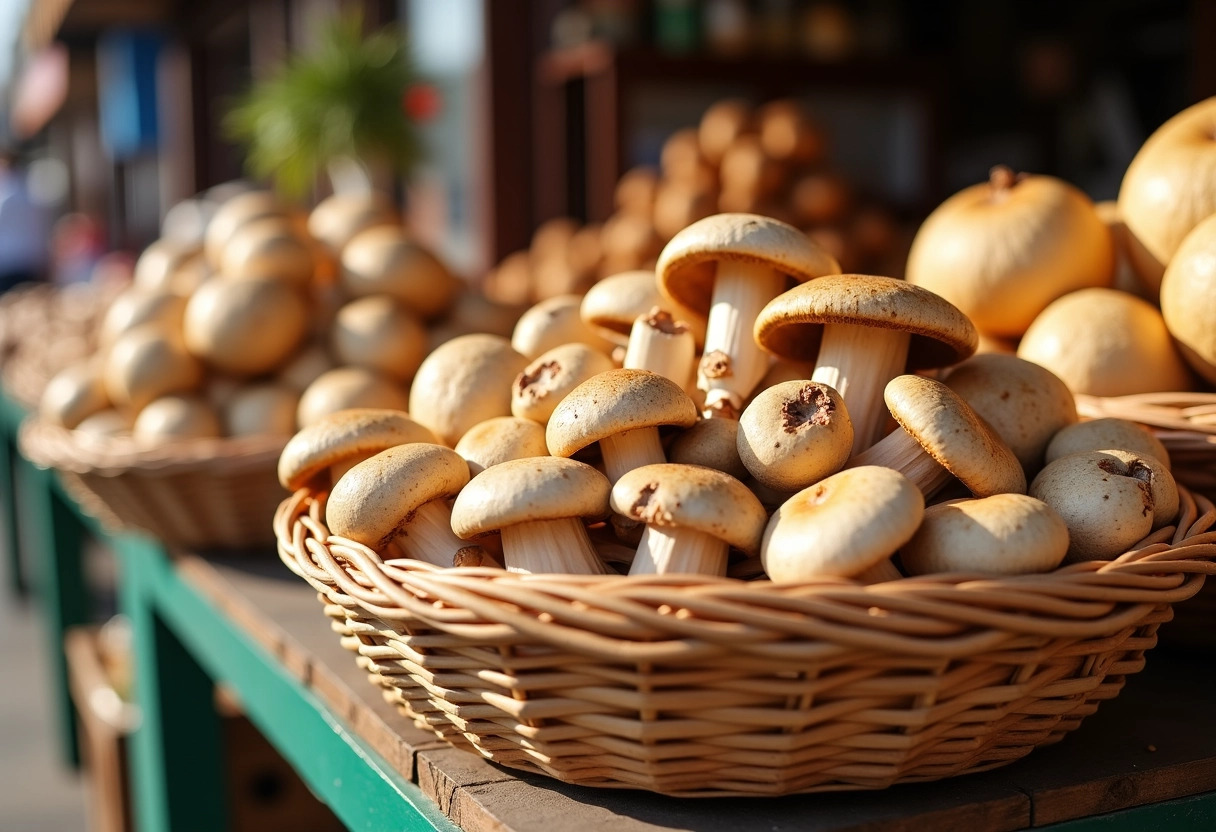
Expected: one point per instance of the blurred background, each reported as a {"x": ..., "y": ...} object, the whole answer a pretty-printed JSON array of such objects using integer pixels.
[{"x": 528, "y": 111}]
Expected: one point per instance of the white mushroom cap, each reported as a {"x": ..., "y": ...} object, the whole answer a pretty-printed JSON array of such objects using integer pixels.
[
  {"x": 161, "y": 265},
  {"x": 710, "y": 443},
  {"x": 145, "y": 364},
  {"x": 339, "y": 218},
  {"x": 268, "y": 249},
  {"x": 338, "y": 437},
  {"x": 614, "y": 303},
  {"x": 134, "y": 307},
  {"x": 234, "y": 213},
  {"x": 551, "y": 323},
  {"x": 305, "y": 367},
  {"x": 794, "y": 434},
  {"x": 842, "y": 525},
  {"x": 105, "y": 423},
  {"x": 1099, "y": 434},
  {"x": 691, "y": 497},
  {"x": 245, "y": 327},
  {"x": 74, "y": 394},
  {"x": 526, "y": 491},
  {"x": 500, "y": 439},
  {"x": 1005, "y": 534},
  {"x": 379, "y": 333},
  {"x": 261, "y": 409},
  {"x": 375, "y": 501},
  {"x": 1109, "y": 500},
  {"x": 176, "y": 417},
  {"x": 385, "y": 261},
  {"x": 1026, "y": 404},
  {"x": 348, "y": 387},
  {"x": 548, "y": 379},
  {"x": 463, "y": 382}
]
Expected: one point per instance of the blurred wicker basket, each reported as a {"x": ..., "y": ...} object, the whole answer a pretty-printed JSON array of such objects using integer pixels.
[
  {"x": 704, "y": 687},
  {"x": 199, "y": 494}
]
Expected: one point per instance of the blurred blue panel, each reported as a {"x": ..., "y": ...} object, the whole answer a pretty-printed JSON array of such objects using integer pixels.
[{"x": 126, "y": 91}]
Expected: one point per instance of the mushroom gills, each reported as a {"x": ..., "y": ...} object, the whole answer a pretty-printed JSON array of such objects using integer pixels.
[
  {"x": 733, "y": 364},
  {"x": 550, "y": 547},
  {"x": 858, "y": 361},
  {"x": 428, "y": 535},
  {"x": 899, "y": 451},
  {"x": 666, "y": 551}
]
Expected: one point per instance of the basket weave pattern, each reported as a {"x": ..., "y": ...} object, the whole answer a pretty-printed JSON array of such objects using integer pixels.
[
  {"x": 204, "y": 493},
  {"x": 698, "y": 686}
]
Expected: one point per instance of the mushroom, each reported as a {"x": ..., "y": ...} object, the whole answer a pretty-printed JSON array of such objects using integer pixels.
[
  {"x": 385, "y": 260},
  {"x": 1099, "y": 434},
  {"x": 693, "y": 517},
  {"x": 306, "y": 367},
  {"x": 795, "y": 434},
  {"x": 463, "y": 382},
  {"x": 821, "y": 198},
  {"x": 105, "y": 423},
  {"x": 710, "y": 443},
  {"x": 1106, "y": 343},
  {"x": 164, "y": 266},
  {"x": 622, "y": 410},
  {"x": 661, "y": 344},
  {"x": 176, "y": 417},
  {"x": 245, "y": 327},
  {"x": 261, "y": 409},
  {"x": 236, "y": 212},
  {"x": 635, "y": 191},
  {"x": 1188, "y": 298},
  {"x": 678, "y": 205},
  {"x": 339, "y": 218},
  {"x": 681, "y": 160},
  {"x": 400, "y": 496},
  {"x": 788, "y": 135},
  {"x": 1026, "y": 404},
  {"x": 145, "y": 364},
  {"x": 268, "y": 249},
  {"x": 74, "y": 394},
  {"x": 336, "y": 442},
  {"x": 379, "y": 333},
  {"x": 721, "y": 126},
  {"x": 612, "y": 305},
  {"x": 940, "y": 436},
  {"x": 863, "y": 331},
  {"x": 551, "y": 323},
  {"x": 847, "y": 525},
  {"x": 547, "y": 380},
  {"x": 1109, "y": 500},
  {"x": 747, "y": 169},
  {"x": 538, "y": 504},
  {"x": 1005, "y": 534},
  {"x": 135, "y": 306},
  {"x": 348, "y": 387},
  {"x": 728, "y": 267},
  {"x": 500, "y": 439}
]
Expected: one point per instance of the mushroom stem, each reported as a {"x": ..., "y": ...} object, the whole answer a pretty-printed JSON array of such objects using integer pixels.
[
  {"x": 631, "y": 449},
  {"x": 898, "y": 450},
  {"x": 879, "y": 573},
  {"x": 428, "y": 536},
  {"x": 733, "y": 364},
  {"x": 550, "y": 546},
  {"x": 673, "y": 550},
  {"x": 662, "y": 345},
  {"x": 858, "y": 361}
]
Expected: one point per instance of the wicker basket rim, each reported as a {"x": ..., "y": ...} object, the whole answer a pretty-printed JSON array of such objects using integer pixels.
[
  {"x": 1186, "y": 415},
  {"x": 52, "y": 446}
]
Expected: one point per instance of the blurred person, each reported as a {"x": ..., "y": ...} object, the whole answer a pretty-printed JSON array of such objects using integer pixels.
[
  {"x": 24, "y": 231},
  {"x": 77, "y": 243}
]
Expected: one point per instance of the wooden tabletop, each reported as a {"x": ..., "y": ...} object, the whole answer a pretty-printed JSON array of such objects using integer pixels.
[{"x": 1155, "y": 742}]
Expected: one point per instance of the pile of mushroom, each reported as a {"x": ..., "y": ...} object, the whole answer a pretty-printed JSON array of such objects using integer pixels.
[
  {"x": 770, "y": 160},
  {"x": 250, "y": 318},
  {"x": 743, "y": 410}
]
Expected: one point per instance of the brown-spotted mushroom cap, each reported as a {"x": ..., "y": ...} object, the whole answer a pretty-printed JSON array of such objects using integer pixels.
[
  {"x": 347, "y": 387},
  {"x": 338, "y": 437},
  {"x": 500, "y": 439},
  {"x": 614, "y": 303},
  {"x": 385, "y": 260},
  {"x": 464, "y": 381},
  {"x": 613, "y": 403},
  {"x": 376, "y": 500},
  {"x": 671, "y": 497},
  {"x": 1024, "y": 403},
  {"x": 1005, "y": 534},
  {"x": 952, "y": 434},
  {"x": 547, "y": 380},
  {"x": 1099, "y": 434},
  {"x": 841, "y": 526},
  {"x": 795, "y": 434},
  {"x": 688, "y": 264},
  {"x": 538, "y": 505},
  {"x": 1109, "y": 500},
  {"x": 791, "y": 326}
]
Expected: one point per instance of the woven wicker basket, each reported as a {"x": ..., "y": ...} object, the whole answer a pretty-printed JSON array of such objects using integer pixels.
[
  {"x": 705, "y": 687},
  {"x": 200, "y": 494}
]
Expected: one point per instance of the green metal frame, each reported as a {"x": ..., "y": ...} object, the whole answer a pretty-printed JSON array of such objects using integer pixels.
[
  {"x": 1186, "y": 814},
  {"x": 15, "y": 578}
]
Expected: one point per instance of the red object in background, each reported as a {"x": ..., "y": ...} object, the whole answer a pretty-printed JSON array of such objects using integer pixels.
[{"x": 422, "y": 102}]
